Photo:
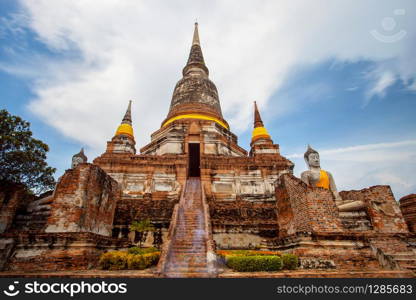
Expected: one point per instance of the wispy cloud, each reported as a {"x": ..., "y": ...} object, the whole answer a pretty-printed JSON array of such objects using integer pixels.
[
  {"x": 360, "y": 148},
  {"x": 136, "y": 50},
  {"x": 383, "y": 81},
  {"x": 351, "y": 89}
]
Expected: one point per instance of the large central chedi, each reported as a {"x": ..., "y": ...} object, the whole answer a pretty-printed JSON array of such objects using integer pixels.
[{"x": 203, "y": 192}]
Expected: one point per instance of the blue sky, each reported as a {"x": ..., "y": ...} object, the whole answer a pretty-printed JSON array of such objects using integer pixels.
[{"x": 318, "y": 73}]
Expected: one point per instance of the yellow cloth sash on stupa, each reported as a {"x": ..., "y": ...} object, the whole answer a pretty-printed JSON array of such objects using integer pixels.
[
  {"x": 323, "y": 180},
  {"x": 195, "y": 116},
  {"x": 259, "y": 132},
  {"x": 125, "y": 129}
]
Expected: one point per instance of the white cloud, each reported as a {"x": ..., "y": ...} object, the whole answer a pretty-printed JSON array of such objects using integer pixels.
[
  {"x": 136, "y": 50},
  {"x": 383, "y": 80},
  {"x": 412, "y": 86},
  {"x": 360, "y": 148},
  {"x": 360, "y": 166},
  {"x": 352, "y": 89}
]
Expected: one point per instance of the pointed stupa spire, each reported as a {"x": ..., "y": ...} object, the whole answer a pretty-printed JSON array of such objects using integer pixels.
[
  {"x": 126, "y": 124},
  {"x": 257, "y": 119},
  {"x": 195, "y": 96},
  {"x": 259, "y": 131},
  {"x": 127, "y": 115},
  {"x": 196, "y": 61},
  {"x": 195, "y": 40}
]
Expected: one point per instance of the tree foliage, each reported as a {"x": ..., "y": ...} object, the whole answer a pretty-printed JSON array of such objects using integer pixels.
[
  {"x": 22, "y": 157},
  {"x": 142, "y": 227}
]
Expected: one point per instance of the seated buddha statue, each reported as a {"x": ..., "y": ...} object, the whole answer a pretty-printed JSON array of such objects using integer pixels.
[
  {"x": 317, "y": 177},
  {"x": 78, "y": 158}
]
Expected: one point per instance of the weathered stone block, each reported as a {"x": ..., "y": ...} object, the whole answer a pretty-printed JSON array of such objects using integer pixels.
[
  {"x": 84, "y": 201},
  {"x": 382, "y": 208},
  {"x": 59, "y": 251},
  {"x": 11, "y": 197},
  {"x": 301, "y": 208},
  {"x": 408, "y": 208}
]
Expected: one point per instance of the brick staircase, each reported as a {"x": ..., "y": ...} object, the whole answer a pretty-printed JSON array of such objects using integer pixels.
[
  {"x": 187, "y": 255},
  {"x": 7, "y": 246},
  {"x": 405, "y": 260},
  {"x": 357, "y": 220},
  {"x": 35, "y": 216},
  {"x": 395, "y": 253}
]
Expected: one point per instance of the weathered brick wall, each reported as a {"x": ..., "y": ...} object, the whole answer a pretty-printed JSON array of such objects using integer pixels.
[
  {"x": 143, "y": 176},
  {"x": 158, "y": 211},
  {"x": 304, "y": 209},
  {"x": 390, "y": 244},
  {"x": 242, "y": 224},
  {"x": 242, "y": 212},
  {"x": 408, "y": 208},
  {"x": 240, "y": 195},
  {"x": 382, "y": 208},
  {"x": 244, "y": 215},
  {"x": 59, "y": 251},
  {"x": 12, "y": 197},
  {"x": 84, "y": 201},
  {"x": 128, "y": 210}
]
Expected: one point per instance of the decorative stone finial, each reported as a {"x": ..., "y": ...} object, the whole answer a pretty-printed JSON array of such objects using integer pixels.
[
  {"x": 196, "y": 59},
  {"x": 127, "y": 116},
  {"x": 195, "y": 40},
  {"x": 257, "y": 119}
]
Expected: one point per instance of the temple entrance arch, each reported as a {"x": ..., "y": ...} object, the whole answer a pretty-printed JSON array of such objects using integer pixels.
[{"x": 194, "y": 160}]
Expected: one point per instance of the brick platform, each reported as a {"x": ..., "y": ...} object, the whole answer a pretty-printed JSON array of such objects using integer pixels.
[{"x": 152, "y": 274}]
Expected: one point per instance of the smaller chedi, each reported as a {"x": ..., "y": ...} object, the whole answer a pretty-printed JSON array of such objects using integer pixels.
[
  {"x": 78, "y": 158},
  {"x": 123, "y": 140},
  {"x": 317, "y": 177}
]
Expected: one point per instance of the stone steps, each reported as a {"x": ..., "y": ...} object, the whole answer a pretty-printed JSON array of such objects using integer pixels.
[
  {"x": 184, "y": 264},
  {"x": 354, "y": 224},
  {"x": 406, "y": 260},
  {"x": 186, "y": 275},
  {"x": 188, "y": 251},
  {"x": 185, "y": 270},
  {"x": 409, "y": 267},
  {"x": 412, "y": 260},
  {"x": 357, "y": 220},
  {"x": 6, "y": 249},
  {"x": 190, "y": 244}
]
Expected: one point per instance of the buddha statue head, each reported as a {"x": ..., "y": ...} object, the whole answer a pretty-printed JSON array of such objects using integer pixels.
[
  {"x": 312, "y": 158},
  {"x": 78, "y": 158}
]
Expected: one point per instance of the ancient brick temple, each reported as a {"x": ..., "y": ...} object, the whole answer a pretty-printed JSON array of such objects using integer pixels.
[{"x": 202, "y": 192}]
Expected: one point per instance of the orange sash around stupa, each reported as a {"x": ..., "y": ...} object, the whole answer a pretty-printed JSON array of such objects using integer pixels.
[{"x": 323, "y": 180}]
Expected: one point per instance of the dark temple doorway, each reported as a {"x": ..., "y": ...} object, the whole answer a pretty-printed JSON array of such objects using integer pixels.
[{"x": 194, "y": 154}]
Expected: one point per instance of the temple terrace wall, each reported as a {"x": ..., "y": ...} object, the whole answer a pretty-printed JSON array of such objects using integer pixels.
[
  {"x": 84, "y": 201},
  {"x": 408, "y": 208}
]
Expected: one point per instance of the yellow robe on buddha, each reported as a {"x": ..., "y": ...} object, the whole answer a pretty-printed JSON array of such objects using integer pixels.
[{"x": 323, "y": 180}]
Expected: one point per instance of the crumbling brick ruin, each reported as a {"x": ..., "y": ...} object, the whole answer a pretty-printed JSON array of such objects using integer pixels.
[
  {"x": 408, "y": 207},
  {"x": 202, "y": 192}
]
